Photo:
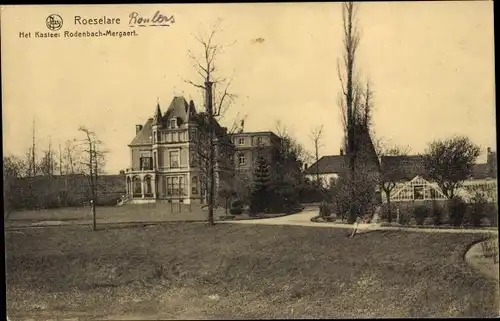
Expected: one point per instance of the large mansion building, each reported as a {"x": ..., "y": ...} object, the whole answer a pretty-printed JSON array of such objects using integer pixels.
[{"x": 168, "y": 155}]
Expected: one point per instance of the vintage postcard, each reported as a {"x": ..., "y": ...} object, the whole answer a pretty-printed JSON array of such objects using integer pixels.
[{"x": 250, "y": 160}]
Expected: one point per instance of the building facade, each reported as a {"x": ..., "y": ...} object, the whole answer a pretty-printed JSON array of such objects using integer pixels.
[
  {"x": 251, "y": 145},
  {"x": 169, "y": 156}
]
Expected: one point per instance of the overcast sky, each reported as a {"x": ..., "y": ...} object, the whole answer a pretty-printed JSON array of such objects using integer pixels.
[{"x": 431, "y": 65}]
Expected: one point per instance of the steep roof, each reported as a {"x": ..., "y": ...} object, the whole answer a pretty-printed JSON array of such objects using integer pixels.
[
  {"x": 366, "y": 149},
  {"x": 143, "y": 136},
  {"x": 181, "y": 109},
  {"x": 329, "y": 165}
]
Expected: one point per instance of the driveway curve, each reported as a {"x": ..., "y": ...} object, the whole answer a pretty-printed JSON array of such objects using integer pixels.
[{"x": 304, "y": 219}]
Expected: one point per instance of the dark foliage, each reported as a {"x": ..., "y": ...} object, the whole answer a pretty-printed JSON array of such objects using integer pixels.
[
  {"x": 237, "y": 207},
  {"x": 457, "y": 209},
  {"x": 437, "y": 213},
  {"x": 421, "y": 212},
  {"x": 260, "y": 199}
]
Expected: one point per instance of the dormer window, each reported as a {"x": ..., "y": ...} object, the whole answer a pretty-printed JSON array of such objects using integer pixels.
[
  {"x": 173, "y": 123},
  {"x": 241, "y": 141}
]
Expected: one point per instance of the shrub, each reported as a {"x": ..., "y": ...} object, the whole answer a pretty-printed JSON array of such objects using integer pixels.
[
  {"x": 491, "y": 213},
  {"x": 236, "y": 210},
  {"x": 384, "y": 212},
  {"x": 237, "y": 207},
  {"x": 420, "y": 212},
  {"x": 437, "y": 213},
  {"x": 237, "y": 203},
  {"x": 404, "y": 218},
  {"x": 354, "y": 194},
  {"x": 457, "y": 209},
  {"x": 477, "y": 209},
  {"x": 325, "y": 209}
]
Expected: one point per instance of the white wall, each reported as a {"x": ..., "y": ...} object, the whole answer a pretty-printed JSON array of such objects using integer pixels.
[{"x": 324, "y": 178}]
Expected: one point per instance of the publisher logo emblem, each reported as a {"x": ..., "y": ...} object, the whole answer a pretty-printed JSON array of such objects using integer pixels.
[{"x": 54, "y": 22}]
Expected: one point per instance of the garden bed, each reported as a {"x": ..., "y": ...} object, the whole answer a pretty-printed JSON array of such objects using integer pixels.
[{"x": 333, "y": 219}]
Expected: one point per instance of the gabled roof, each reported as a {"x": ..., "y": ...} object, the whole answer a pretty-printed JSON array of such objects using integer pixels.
[
  {"x": 329, "y": 165},
  {"x": 142, "y": 137},
  {"x": 400, "y": 168},
  {"x": 366, "y": 157},
  {"x": 407, "y": 167}
]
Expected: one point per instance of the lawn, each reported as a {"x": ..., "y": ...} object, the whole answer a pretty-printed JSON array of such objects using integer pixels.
[
  {"x": 112, "y": 214},
  {"x": 188, "y": 271}
]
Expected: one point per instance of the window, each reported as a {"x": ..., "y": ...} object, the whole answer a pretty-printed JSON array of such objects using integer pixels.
[
  {"x": 193, "y": 134},
  {"x": 173, "y": 123},
  {"x": 155, "y": 160},
  {"x": 193, "y": 159},
  {"x": 418, "y": 191},
  {"x": 174, "y": 159},
  {"x": 175, "y": 187},
  {"x": 241, "y": 159},
  {"x": 137, "y": 186},
  {"x": 169, "y": 137},
  {"x": 181, "y": 186},
  {"x": 259, "y": 140},
  {"x": 169, "y": 186},
  {"x": 147, "y": 185},
  {"x": 241, "y": 141},
  {"x": 194, "y": 185},
  {"x": 146, "y": 163},
  {"x": 154, "y": 137}
]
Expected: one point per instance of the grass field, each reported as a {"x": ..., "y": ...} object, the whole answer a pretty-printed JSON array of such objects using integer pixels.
[
  {"x": 121, "y": 214},
  {"x": 188, "y": 271},
  {"x": 111, "y": 214}
]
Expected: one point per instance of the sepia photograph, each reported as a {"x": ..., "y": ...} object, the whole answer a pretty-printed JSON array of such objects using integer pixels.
[{"x": 288, "y": 160}]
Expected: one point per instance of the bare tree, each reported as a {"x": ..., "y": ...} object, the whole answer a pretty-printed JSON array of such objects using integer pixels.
[
  {"x": 290, "y": 147},
  {"x": 60, "y": 160},
  {"x": 94, "y": 160},
  {"x": 449, "y": 162},
  {"x": 70, "y": 154},
  {"x": 48, "y": 163},
  {"x": 316, "y": 136},
  {"x": 31, "y": 160},
  {"x": 211, "y": 139},
  {"x": 354, "y": 100},
  {"x": 390, "y": 175}
]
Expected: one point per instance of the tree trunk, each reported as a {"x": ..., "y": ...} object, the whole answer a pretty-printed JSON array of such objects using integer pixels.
[
  {"x": 389, "y": 209},
  {"x": 94, "y": 223},
  {"x": 211, "y": 192},
  {"x": 211, "y": 152}
]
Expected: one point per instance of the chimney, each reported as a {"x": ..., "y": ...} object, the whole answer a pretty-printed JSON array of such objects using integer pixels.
[
  {"x": 341, "y": 152},
  {"x": 138, "y": 128}
]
